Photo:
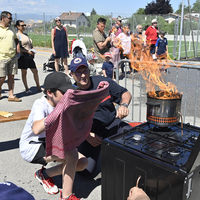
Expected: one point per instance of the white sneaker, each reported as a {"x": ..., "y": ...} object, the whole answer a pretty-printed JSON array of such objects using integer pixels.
[{"x": 48, "y": 184}]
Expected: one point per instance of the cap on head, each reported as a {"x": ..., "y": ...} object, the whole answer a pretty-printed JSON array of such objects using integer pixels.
[
  {"x": 154, "y": 21},
  {"x": 91, "y": 56},
  {"x": 107, "y": 54},
  {"x": 57, "y": 18},
  {"x": 77, "y": 62},
  {"x": 58, "y": 80}
]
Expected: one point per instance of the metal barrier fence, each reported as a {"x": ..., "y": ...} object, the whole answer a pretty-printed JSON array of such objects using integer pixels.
[
  {"x": 40, "y": 26},
  {"x": 186, "y": 80}
]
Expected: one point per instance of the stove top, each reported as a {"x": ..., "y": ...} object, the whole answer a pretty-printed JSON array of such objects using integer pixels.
[{"x": 173, "y": 145}]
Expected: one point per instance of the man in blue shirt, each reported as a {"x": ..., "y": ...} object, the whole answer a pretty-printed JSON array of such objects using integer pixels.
[{"x": 107, "y": 121}]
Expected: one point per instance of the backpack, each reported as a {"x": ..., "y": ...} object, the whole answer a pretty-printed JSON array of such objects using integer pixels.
[{"x": 55, "y": 30}]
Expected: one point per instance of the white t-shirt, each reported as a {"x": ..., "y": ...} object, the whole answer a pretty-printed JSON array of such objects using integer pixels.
[
  {"x": 29, "y": 143},
  {"x": 126, "y": 43}
]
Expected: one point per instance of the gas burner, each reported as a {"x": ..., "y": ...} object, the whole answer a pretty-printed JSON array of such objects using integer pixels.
[
  {"x": 137, "y": 137},
  {"x": 160, "y": 129},
  {"x": 193, "y": 139},
  {"x": 174, "y": 151}
]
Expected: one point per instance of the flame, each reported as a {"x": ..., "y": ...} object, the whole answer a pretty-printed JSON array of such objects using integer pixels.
[{"x": 142, "y": 61}]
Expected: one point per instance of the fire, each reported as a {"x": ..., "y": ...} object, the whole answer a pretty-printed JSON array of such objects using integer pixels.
[{"x": 142, "y": 61}]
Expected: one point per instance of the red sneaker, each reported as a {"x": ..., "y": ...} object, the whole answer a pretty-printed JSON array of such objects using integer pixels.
[
  {"x": 71, "y": 197},
  {"x": 48, "y": 184}
]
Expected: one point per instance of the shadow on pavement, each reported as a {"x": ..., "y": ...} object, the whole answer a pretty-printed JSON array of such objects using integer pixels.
[{"x": 9, "y": 145}]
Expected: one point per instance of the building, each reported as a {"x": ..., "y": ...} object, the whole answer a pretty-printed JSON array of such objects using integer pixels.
[
  {"x": 73, "y": 19},
  {"x": 169, "y": 18}
]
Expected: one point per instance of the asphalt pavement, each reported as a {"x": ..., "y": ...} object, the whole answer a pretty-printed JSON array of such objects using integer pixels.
[{"x": 14, "y": 169}]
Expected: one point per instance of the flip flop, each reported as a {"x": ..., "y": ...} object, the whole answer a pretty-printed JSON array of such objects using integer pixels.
[{"x": 29, "y": 92}]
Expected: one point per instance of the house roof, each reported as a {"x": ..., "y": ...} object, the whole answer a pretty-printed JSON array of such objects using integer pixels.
[{"x": 71, "y": 16}]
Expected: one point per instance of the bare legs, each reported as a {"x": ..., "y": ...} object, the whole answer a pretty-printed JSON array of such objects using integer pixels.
[
  {"x": 35, "y": 76},
  {"x": 57, "y": 60},
  {"x": 73, "y": 162}
]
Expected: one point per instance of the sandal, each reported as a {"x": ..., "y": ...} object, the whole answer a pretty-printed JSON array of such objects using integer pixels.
[{"x": 29, "y": 92}]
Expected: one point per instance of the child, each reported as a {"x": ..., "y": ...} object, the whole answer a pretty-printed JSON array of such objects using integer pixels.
[
  {"x": 91, "y": 58},
  {"x": 161, "y": 46},
  {"x": 32, "y": 142},
  {"x": 108, "y": 66},
  {"x": 114, "y": 50}
]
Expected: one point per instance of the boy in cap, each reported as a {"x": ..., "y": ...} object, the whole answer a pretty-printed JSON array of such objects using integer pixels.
[
  {"x": 91, "y": 58},
  {"x": 108, "y": 66},
  {"x": 32, "y": 142},
  {"x": 161, "y": 46}
]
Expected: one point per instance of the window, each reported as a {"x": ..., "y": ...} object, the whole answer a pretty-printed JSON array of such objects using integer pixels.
[
  {"x": 70, "y": 23},
  {"x": 79, "y": 24},
  {"x": 83, "y": 23}
]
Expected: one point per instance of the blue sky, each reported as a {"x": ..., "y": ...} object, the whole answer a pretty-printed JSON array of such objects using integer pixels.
[{"x": 117, "y": 7}]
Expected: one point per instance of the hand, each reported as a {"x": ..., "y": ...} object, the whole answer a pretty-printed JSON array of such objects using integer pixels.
[
  {"x": 108, "y": 39},
  {"x": 30, "y": 52},
  {"x": 122, "y": 112},
  {"x": 54, "y": 52},
  {"x": 94, "y": 139},
  {"x": 136, "y": 193}
]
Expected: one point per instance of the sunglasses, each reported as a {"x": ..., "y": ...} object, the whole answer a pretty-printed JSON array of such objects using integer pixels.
[
  {"x": 57, "y": 20},
  {"x": 24, "y": 25},
  {"x": 10, "y": 18}
]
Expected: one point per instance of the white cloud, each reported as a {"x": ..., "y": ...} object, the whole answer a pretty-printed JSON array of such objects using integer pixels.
[{"x": 28, "y": 6}]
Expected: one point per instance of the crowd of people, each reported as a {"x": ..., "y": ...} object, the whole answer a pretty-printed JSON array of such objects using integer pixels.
[{"x": 88, "y": 75}]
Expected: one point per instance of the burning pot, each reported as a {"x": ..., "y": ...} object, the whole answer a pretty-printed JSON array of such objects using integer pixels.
[{"x": 162, "y": 109}]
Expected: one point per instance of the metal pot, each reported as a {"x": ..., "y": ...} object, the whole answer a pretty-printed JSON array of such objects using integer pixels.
[{"x": 163, "y": 112}]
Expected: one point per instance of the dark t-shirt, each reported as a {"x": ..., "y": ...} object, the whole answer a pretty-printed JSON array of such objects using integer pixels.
[
  {"x": 106, "y": 112},
  {"x": 161, "y": 44},
  {"x": 108, "y": 67}
]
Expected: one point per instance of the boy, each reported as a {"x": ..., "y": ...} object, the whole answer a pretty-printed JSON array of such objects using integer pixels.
[
  {"x": 91, "y": 58},
  {"x": 108, "y": 66},
  {"x": 32, "y": 142},
  {"x": 161, "y": 46}
]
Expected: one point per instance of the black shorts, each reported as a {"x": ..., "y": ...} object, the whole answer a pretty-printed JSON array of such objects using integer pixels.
[
  {"x": 26, "y": 63},
  {"x": 38, "y": 159},
  {"x": 152, "y": 49}
]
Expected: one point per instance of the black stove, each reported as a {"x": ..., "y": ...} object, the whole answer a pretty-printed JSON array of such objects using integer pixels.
[{"x": 165, "y": 158}]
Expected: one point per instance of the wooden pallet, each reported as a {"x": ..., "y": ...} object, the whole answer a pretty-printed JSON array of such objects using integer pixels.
[{"x": 19, "y": 115}]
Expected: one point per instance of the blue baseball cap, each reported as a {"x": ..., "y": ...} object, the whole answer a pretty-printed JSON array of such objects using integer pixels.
[
  {"x": 77, "y": 62},
  {"x": 9, "y": 190}
]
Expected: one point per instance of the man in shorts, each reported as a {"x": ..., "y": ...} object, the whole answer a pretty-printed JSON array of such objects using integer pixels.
[
  {"x": 32, "y": 142},
  {"x": 101, "y": 44},
  {"x": 9, "y": 49}
]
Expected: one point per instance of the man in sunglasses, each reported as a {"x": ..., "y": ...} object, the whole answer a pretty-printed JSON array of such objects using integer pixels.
[
  {"x": 107, "y": 121},
  {"x": 9, "y": 49},
  {"x": 152, "y": 36}
]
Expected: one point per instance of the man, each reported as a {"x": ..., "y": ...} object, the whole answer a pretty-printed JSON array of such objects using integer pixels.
[
  {"x": 106, "y": 121},
  {"x": 152, "y": 36},
  {"x": 101, "y": 43},
  {"x": 9, "y": 49}
]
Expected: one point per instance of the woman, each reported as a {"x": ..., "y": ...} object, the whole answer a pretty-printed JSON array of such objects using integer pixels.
[
  {"x": 60, "y": 44},
  {"x": 125, "y": 46},
  {"x": 26, "y": 59}
]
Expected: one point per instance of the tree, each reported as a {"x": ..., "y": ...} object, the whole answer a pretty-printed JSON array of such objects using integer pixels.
[
  {"x": 196, "y": 6},
  {"x": 159, "y": 7},
  {"x": 140, "y": 11},
  {"x": 93, "y": 12},
  {"x": 186, "y": 9}
]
